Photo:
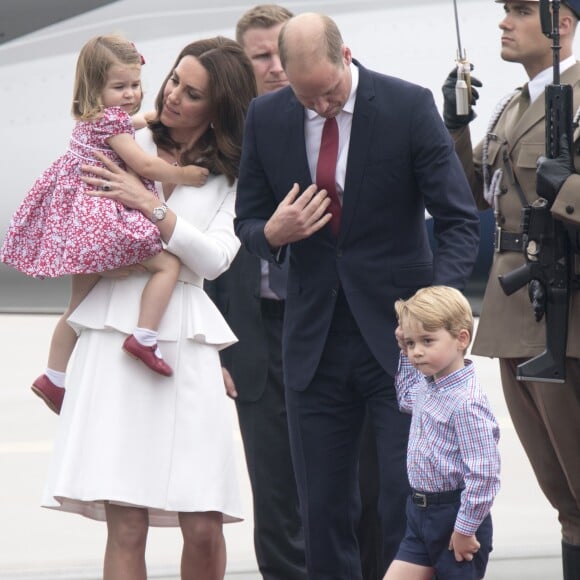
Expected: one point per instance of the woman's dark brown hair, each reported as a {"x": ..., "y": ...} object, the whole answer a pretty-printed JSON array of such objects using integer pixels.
[{"x": 231, "y": 87}]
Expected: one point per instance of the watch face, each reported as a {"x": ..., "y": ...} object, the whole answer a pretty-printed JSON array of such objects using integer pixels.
[{"x": 159, "y": 213}]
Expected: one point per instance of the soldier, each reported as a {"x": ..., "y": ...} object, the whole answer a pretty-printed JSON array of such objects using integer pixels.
[{"x": 502, "y": 174}]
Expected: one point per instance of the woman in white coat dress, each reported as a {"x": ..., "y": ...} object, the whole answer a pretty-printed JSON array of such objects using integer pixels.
[{"x": 135, "y": 448}]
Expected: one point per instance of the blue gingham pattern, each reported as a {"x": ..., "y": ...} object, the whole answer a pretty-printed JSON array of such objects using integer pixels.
[{"x": 453, "y": 439}]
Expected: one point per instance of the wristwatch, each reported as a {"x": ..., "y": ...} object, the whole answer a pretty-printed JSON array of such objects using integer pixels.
[{"x": 159, "y": 213}]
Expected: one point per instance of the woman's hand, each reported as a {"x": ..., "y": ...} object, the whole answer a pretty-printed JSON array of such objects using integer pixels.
[
  {"x": 118, "y": 184},
  {"x": 229, "y": 384}
]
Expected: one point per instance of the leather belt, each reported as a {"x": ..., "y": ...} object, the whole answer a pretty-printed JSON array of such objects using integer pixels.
[
  {"x": 426, "y": 499},
  {"x": 507, "y": 241}
]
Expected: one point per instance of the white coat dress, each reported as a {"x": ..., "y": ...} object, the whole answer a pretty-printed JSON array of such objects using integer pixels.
[{"x": 128, "y": 435}]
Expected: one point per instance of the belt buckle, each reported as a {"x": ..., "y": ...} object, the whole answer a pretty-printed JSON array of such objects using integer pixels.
[
  {"x": 497, "y": 239},
  {"x": 420, "y": 499}
]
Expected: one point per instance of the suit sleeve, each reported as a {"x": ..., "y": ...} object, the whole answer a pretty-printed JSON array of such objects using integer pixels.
[
  {"x": 447, "y": 194},
  {"x": 255, "y": 202}
]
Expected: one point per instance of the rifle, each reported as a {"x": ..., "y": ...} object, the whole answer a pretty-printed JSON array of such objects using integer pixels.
[{"x": 546, "y": 245}]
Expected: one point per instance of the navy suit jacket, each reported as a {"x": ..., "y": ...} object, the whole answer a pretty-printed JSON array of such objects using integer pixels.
[{"x": 401, "y": 160}]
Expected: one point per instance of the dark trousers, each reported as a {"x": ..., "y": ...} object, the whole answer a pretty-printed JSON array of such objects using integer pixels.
[
  {"x": 325, "y": 422},
  {"x": 369, "y": 534},
  {"x": 278, "y": 537}
]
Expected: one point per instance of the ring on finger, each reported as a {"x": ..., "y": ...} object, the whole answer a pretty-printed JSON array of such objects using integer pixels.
[{"x": 106, "y": 186}]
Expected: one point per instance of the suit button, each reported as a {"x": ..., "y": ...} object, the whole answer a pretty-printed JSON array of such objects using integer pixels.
[
  {"x": 339, "y": 253},
  {"x": 334, "y": 292},
  {"x": 569, "y": 209}
]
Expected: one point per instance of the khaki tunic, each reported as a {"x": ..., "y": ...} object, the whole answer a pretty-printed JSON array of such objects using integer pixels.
[{"x": 507, "y": 327}]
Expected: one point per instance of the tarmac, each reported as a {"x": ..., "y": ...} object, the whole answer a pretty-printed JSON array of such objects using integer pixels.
[{"x": 40, "y": 544}]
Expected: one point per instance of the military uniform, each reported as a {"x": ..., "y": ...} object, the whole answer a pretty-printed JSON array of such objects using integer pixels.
[{"x": 545, "y": 415}]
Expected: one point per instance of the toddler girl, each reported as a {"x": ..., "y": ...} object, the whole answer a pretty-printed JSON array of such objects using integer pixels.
[{"x": 59, "y": 230}]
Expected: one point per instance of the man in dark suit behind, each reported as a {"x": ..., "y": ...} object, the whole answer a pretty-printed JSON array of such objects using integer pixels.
[
  {"x": 251, "y": 297},
  {"x": 394, "y": 159}
]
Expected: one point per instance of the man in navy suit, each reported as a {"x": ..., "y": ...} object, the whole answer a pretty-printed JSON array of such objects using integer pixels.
[
  {"x": 395, "y": 159},
  {"x": 250, "y": 294}
]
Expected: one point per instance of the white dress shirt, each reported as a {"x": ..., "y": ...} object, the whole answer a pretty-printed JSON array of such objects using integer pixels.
[{"x": 537, "y": 85}]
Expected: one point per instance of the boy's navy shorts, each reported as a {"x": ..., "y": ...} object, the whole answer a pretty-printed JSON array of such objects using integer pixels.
[{"x": 427, "y": 536}]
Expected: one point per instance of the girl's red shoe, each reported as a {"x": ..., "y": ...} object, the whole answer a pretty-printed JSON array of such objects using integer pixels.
[{"x": 147, "y": 355}]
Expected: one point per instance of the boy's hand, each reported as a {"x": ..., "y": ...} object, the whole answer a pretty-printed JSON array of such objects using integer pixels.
[
  {"x": 401, "y": 339},
  {"x": 463, "y": 546}
]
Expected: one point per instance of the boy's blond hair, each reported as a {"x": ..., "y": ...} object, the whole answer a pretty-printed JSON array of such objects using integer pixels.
[
  {"x": 97, "y": 56},
  {"x": 437, "y": 307}
]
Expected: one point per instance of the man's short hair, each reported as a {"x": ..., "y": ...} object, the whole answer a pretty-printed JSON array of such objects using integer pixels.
[{"x": 261, "y": 16}]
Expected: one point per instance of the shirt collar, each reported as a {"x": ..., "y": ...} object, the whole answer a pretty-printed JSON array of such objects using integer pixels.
[
  {"x": 537, "y": 85},
  {"x": 453, "y": 379},
  {"x": 349, "y": 105}
]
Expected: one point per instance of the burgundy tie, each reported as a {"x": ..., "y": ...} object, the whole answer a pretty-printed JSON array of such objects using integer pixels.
[{"x": 326, "y": 170}]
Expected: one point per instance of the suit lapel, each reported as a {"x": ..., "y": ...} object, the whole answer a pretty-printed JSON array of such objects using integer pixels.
[
  {"x": 517, "y": 128},
  {"x": 360, "y": 140},
  {"x": 295, "y": 144}
]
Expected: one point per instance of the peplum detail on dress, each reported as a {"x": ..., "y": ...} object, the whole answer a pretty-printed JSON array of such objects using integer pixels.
[{"x": 112, "y": 304}]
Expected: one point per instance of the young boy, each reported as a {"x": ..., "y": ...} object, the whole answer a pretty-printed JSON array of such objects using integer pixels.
[{"x": 452, "y": 458}]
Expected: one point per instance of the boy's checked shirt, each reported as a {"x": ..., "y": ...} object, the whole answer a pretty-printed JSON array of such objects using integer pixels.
[{"x": 453, "y": 439}]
